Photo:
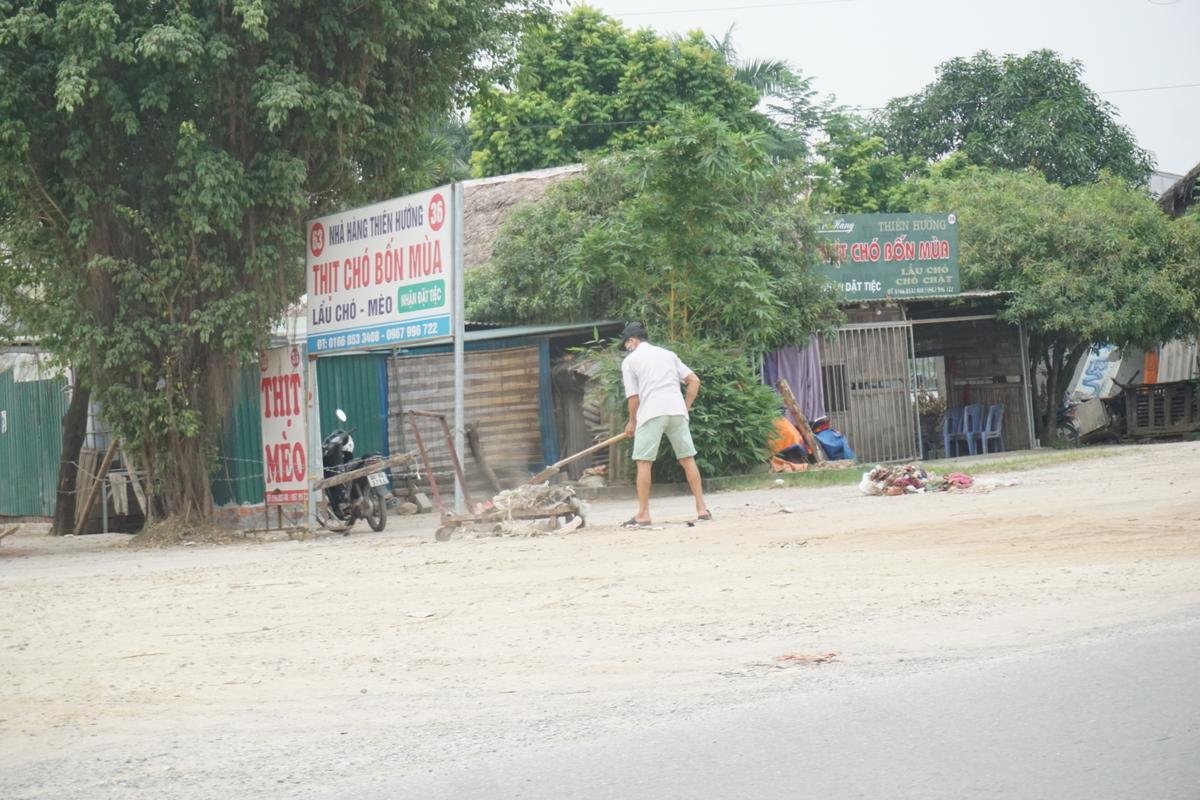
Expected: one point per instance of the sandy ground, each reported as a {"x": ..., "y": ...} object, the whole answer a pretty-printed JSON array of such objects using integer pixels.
[{"x": 291, "y": 669}]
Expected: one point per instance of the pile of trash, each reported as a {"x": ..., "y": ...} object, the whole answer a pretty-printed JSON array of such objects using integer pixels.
[
  {"x": 537, "y": 495},
  {"x": 911, "y": 479},
  {"x": 534, "y": 497}
]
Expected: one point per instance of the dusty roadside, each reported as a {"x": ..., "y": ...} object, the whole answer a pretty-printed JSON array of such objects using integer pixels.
[{"x": 281, "y": 670}]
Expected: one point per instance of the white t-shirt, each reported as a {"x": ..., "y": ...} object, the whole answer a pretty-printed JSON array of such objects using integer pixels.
[{"x": 654, "y": 375}]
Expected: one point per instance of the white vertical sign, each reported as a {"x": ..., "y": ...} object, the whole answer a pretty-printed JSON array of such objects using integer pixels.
[{"x": 285, "y": 445}]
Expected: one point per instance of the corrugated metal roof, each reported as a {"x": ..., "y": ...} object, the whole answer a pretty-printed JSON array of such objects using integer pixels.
[
  {"x": 983, "y": 293},
  {"x": 515, "y": 331}
]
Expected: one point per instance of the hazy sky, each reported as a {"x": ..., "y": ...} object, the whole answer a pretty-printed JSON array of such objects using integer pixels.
[{"x": 868, "y": 51}]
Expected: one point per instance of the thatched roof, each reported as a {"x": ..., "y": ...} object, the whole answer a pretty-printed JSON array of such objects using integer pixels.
[
  {"x": 1180, "y": 197},
  {"x": 489, "y": 201}
]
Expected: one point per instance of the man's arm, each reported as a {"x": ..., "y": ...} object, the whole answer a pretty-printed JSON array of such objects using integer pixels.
[
  {"x": 631, "y": 425},
  {"x": 691, "y": 389}
]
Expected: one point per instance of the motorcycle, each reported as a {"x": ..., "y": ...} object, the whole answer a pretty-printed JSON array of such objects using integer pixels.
[{"x": 364, "y": 497}]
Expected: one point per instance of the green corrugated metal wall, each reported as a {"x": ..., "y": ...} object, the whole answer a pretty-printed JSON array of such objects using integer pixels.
[
  {"x": 30, "y": 445},
  {"x": 356, "y": 384},
  {"x": 238, "y": 477}
]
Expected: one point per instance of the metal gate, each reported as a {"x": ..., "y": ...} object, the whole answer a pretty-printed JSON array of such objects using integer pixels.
[{"x": 868, "y": 390}]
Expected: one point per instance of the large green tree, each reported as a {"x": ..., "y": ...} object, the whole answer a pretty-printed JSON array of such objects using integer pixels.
[
  {"x": 1083, "y": 265},
  {"x": 583, "y": 82},
  {"x": 159, "y": 159},
  {"x": 855, "y": 172},
  {"x": 699, "y": 234},
  {"x": 1016, "y": 112}
]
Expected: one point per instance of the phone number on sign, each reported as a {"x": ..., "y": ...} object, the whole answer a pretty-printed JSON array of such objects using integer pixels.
[{"x": 339, "y": 341}]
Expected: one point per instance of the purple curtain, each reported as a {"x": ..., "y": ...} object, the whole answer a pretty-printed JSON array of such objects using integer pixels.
[{"x": 801, "y": 368}]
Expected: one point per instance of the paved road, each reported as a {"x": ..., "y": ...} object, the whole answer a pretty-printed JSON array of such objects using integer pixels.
[{"x": 1110, "y": 719}]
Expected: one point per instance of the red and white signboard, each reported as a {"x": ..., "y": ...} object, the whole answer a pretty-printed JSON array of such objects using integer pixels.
[{"x": 281, "y": 390}]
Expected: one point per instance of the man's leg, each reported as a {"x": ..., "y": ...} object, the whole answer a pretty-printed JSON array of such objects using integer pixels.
[
  {"x": 680, "y": 434},
  {"x": 644, "y": 469},
  {"x": 692, "y": 472},
  {"x": 645, "y": 450}
]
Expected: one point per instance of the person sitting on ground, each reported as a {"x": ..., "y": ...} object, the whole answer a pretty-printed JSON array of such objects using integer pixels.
[
  {"x": 652, "y": 377},
  {"x": 832, "y": 441},
  {"x": 787, "y": 444}
]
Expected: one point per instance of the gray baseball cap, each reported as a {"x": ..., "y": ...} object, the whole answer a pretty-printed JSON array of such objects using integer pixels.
[{"x": 634, "y": 329}]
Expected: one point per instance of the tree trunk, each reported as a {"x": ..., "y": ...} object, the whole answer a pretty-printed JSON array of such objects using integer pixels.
[
  {"x": 178, "y": 464},
  {"x": 1060, "y": 360},
  {"x": 189, "y": 497},
  {"x": 74, "y": 430},
  {"x": 1035, "y": 359}
]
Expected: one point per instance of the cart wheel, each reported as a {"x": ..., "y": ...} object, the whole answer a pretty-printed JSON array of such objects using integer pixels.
[{"x": 443, "y": 533}]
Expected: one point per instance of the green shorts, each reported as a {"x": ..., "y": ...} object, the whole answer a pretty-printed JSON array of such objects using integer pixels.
[{"x": 650, "y": 433}]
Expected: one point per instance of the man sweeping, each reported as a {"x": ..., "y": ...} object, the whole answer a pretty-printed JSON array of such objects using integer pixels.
[{"x": 652, "y": 377}]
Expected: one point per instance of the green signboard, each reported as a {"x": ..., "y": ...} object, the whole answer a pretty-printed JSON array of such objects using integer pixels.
[
  {"x": 881, "y": 256},
  {"x": 421, "y": 296}
]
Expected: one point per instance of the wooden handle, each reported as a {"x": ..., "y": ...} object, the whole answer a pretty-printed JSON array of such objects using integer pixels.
[{"x": 554, "y": 468}]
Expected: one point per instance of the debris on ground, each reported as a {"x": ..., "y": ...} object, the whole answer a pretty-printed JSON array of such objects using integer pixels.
[
  {"x": 532, "y": 497},
  {"x": 594, "y": 477},
  {"x": 170, "y": 533},
  {"x": 804, "y": 658},
  {"x": 911, "y": 479},
  {"x": 987, "y": 484}
]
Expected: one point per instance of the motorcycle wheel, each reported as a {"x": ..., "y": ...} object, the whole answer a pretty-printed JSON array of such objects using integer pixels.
[{"x": 376, "y": 511}]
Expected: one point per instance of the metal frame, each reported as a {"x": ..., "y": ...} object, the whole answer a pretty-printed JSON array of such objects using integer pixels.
[
  {"x": 869, "y": 440},
  {"x": 456, "y": 519},
  {"x": 452, "y": 447}
]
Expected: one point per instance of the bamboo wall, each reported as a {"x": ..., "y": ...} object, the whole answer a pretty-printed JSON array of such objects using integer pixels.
[{"x": 502, "y": 398}]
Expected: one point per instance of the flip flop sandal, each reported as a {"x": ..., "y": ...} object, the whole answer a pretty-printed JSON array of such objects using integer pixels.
[
  {"x": 633, "y": 525},
  {"x": 705, "y": 517}
]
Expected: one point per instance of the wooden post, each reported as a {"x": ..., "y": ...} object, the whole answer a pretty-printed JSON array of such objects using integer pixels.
[
  {"x": 138, "y": 493},
  {"x": 105, "y": 463},
  {"x": 810, "y": 441}
]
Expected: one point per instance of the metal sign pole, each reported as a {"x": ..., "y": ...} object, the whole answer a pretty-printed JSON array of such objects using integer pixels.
[
  {"x": 456, "y": 192},
  {"x": 315, "y": 466}
]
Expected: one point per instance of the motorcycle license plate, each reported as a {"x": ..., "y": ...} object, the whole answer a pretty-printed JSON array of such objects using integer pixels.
[{"x": 377, "y": 479}]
